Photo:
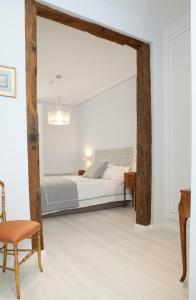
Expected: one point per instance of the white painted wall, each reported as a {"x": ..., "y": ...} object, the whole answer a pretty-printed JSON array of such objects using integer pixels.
[
  {"x": 40, "y": 111},
  {"x": 108, "y": 120},
  {"x": 177, "y": 100},
  {"x": 192, "y": 274},
  {"x": 13, "y": 129},
  {"x": 59, "y": 144},
  {"x": 105, "y": 121}
]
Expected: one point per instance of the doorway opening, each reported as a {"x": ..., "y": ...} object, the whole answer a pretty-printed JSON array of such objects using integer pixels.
[{"x": 33, "y": 10}]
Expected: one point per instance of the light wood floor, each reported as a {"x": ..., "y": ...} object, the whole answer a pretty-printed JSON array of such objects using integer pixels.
[{"x": 100, "y": 256}]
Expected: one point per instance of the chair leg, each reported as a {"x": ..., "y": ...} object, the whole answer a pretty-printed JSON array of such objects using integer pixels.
[
  {"x": 16, "y": 269},
  {"x": 4, "y": 257},
  {"x": 39, "y": 251}
]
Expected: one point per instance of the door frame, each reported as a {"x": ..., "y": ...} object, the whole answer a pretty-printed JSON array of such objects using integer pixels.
[{"x": 144, "y": 130}]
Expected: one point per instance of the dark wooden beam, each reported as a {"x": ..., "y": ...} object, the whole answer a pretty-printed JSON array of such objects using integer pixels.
[
  {"x": 144, "y": 139},
  {"x": 32, "y": 119},
  {"x": 143, "y": 104},
  {"x": 92, "y": 28}
]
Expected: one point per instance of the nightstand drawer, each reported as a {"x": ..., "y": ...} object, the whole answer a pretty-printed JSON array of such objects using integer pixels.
[{"x": 130, "y": 179}]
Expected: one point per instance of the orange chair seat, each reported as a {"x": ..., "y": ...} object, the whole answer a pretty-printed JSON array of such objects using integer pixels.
[{"x": 15, "y": 231}]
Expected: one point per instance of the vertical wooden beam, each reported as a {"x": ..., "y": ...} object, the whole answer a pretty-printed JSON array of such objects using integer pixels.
[
  {"x": 144, "y": 136},
  {"x": 32, "y": 119}
]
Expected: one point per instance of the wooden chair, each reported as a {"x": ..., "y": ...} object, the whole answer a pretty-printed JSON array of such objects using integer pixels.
[{"x": 13, "y": 232}]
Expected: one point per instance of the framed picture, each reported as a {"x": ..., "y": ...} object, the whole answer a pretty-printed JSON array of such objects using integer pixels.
[{"x": 7, "y": 81}]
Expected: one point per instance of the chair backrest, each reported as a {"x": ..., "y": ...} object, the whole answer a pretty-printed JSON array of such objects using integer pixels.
[{"x": 3, "y": 213}]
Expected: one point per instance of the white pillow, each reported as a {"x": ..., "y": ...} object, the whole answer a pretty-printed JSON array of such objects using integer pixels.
[
  {"x": 96, "y": 170},
  {"x": 115, "y": 172}
]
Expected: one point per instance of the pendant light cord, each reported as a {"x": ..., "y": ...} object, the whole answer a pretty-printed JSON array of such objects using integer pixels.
[{"x": 58, "y": 103}]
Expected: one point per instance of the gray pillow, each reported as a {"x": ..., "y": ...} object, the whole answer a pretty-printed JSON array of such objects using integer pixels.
[{"x": 95, "y": 170}]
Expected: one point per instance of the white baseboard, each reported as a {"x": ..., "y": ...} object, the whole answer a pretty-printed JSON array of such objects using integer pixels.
[
  {"x": 168, "y": 223},
  {"x": 139, "y": 227}
]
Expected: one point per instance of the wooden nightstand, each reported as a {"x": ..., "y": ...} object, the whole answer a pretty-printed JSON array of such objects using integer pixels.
[
  {"x": 81, "y": 172},
  {"x": 130, "y": 182}
]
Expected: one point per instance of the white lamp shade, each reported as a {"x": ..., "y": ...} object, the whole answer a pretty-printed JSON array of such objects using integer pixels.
[{"x": 58, "y": 117}]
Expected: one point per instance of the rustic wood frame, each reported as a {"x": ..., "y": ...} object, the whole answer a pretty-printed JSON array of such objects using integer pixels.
[{"x": 33, "y": 9}]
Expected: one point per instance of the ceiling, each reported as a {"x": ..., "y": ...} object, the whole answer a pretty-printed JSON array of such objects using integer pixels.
[
  {"x": 88, "y": 64},
  {"x": 154, "y": 14},
  {"x": 157, "y": 13}
]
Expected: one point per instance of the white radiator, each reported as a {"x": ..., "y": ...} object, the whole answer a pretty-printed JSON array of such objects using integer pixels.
[{"x": 59, "y": 174}]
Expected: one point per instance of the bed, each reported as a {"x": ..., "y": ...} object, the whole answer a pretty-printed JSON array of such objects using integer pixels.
[{"x": 72, "y": 194}]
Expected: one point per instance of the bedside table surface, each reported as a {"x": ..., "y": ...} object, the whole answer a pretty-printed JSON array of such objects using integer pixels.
[{"x": 81, "y": 172}]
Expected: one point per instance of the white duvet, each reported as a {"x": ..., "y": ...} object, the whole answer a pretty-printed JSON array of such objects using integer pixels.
[{"x": 95, "y": 188}]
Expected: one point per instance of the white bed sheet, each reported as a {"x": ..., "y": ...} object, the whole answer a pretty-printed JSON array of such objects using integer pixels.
[
  {"x": 95, "y": 188},
  {"x": 97, "y": 191},
  {"x": 103, "y": 200}
]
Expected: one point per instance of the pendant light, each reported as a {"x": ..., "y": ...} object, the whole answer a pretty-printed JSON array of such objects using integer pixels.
[{"x": 58, "y": 116}]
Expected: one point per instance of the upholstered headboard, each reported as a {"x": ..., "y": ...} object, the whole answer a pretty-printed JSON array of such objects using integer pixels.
[{"x": 118, "y": 156}]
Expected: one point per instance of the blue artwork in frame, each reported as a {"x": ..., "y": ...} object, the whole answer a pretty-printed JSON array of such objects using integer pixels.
[{"x": 7, "y": 81}]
